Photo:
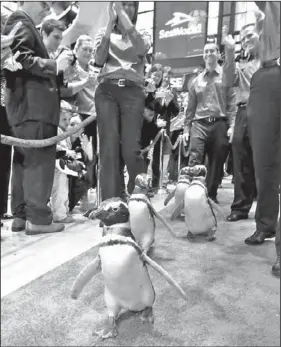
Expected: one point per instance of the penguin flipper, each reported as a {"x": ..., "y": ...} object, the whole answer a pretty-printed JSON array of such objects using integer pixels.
[
  {"x": 84, "y": 277},
  {"x": 163, "y": 221},
  {"x": 165, "y": 274},
  {"x": 217, "y": 208},
  {"x": 177, "y": 211},
  {"x": 169, "y": 197}
]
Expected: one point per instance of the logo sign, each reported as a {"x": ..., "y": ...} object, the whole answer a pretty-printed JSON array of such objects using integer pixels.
[{"x": 180, "y": 29}]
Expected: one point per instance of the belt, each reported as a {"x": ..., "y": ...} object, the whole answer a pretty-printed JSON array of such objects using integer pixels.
[
  {"x": 271, "y": 63},
  {"x": 121, "y": 82},
  {"x": 210, "y": 120},
  {"x": 242, "y": 104}
]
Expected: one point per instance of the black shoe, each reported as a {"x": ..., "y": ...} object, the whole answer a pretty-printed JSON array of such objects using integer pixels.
[
  {"x": 235, "y": 216},
  {"x": 259, "y": 237},
  {"x": 101, "y": 225},
  {"x": 276, "y": 267},
  {"x": 7, "y": 216}
]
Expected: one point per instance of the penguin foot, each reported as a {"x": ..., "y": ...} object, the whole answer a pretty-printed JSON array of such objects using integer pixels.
[
  {"x": 110, "y": 331},
  {"x": 190, "y": 236},
  {"x": 147, "y": 315},
  {"x": 211, "y": 235}
]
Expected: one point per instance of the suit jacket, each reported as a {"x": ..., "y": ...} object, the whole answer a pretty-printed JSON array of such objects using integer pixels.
[{"x": 33, "y": 92}]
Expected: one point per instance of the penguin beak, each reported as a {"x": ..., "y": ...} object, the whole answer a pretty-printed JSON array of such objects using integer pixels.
[{"x": 96, "y": 214}]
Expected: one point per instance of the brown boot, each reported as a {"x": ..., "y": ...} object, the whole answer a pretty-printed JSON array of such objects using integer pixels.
[
  {"x": 33, "y": 229},
  {"x": 18, "y": 224}
]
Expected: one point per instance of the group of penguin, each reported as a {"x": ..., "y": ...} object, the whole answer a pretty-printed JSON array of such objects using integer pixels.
[{"x": 128, "y": 235}]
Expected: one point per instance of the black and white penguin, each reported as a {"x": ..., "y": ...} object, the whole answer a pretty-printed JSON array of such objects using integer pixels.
[
  {"x": 142, "y": 214},
  {"x": 123, "y": 263}
]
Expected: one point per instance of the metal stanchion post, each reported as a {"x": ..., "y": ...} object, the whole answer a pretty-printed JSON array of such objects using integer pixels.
[
  {"x": 179, "y": 158},
  {"x": 161, "y": 190},
  {"x": 98, "y": 172}
]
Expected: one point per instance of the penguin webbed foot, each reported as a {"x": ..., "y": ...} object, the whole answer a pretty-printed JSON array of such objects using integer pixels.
[
  {"x": 147, "y": 316},
  {"x": 211, "y": 235},
  {"x": 109, "y": 331}
]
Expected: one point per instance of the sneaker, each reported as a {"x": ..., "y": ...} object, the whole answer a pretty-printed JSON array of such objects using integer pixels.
[{"x": 18, "y": 224}]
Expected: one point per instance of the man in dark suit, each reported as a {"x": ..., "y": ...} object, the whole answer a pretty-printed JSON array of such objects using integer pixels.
[{"x": 32, "y": 104}]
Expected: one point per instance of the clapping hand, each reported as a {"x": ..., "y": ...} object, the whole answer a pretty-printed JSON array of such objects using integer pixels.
[
  {"x": 118, "y": 6},
  {"x": 168, "y": 97},
  {"x": 64, "y": 60},
  {"x": 111, "y": 12}
]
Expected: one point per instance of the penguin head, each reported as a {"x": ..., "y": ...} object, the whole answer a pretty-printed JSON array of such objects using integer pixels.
[
  {"x": 112, "y": 211},
  {"x": 143, "y": 182},
  {"x": 187, "y": 172},
  {"x": 200, "y": 171}
]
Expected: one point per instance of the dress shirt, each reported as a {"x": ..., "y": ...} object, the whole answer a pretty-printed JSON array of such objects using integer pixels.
[
  {"x": 209, "y": 98},
  {"x": 239, "y": 74}
]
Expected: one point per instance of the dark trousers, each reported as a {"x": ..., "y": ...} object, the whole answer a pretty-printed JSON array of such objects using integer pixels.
[
  {"x": 210, "y": 139},
  {"x": 5, "y": 158},
  {"x": 264, "y": 128},
  {"x": 33, "y": 174},
  {"x": 244, "y": 174},
  {"x": 119, "y": 118},
  {"x": 149, "y": 132},
  {"x": 277, "y": 238}
]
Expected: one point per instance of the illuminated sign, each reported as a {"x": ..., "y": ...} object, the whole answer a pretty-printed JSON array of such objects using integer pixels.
[{"x": 180, "y": 29}]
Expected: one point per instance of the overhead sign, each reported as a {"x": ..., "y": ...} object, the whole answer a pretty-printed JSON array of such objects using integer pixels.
[{"x": 180, "y": 29}]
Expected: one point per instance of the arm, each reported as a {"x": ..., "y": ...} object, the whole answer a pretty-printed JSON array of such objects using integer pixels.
[
  {"x": 191, "y": 107},
  {"x": 101, "y": 45},
  {"x": 231, "y": 107},
  {"x": 140, "y": 42},
  {"x": 230, "y": 72},
  {"x": 24, "y": 44}
]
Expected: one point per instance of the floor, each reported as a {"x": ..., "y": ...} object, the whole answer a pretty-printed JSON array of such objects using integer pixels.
[{"x": 232, "y": 297}]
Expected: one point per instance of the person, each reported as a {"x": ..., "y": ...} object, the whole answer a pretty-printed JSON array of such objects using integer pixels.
[
  {"x": 5, "y": 151},
  {"x": 120, "y": 50},
  {"x": 32, "y": 104},
  {"x": 209, "y": 118},
  {"x": 264, "y": 126},
  {"x": 239, "y": 75},
  {"x": 150, "y": 126},
  {"x": 51, "y": 32},
  {"x": 64, "y": 153},
  {"x": 81, "y": 87},
  {"x": 79, "y": 186}
]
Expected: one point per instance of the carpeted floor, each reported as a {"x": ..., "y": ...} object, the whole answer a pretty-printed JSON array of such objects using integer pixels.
[{"x": 233, "y": 298}]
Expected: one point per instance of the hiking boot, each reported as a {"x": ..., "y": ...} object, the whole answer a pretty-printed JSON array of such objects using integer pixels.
[
  {"x": 34, "y": 229},
  {"x": 18, "y": 224}
]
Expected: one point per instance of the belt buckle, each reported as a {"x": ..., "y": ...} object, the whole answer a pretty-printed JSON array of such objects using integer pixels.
[
  {"x": 121, "y": 83},
  {"x": 278, "y": 61}
]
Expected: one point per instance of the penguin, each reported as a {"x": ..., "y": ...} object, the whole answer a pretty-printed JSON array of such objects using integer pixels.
[
  {"x": 142, "y": 214},
  {"x": 178, "y": 193},
  {"x": 199, "y": 209},
  {"x": 127, "y": 284}
]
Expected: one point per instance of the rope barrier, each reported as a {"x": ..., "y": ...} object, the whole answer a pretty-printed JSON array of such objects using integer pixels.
[{"x": 13, "y": 141}]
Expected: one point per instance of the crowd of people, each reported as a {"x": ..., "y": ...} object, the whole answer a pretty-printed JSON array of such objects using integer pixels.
[{"x": 47, "y": 88}]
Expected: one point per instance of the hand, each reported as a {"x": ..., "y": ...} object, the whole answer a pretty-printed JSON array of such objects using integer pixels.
[
  {"x": 111, "y": 13},
  {"x": 185, "y": 138},
  {"x": 227, "y": 40},
  {"x": 6, "y": 41},
  {"x": 86, "y": 146},
  {"x": 118, "y": 6},
  {"x": 259, "y": 15},
  {"x": 168, "y": 97},
  {"x": 161, "y": 123},
  {"x": 64, "y": 60},
  {"x": 230, "y": 133}
]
